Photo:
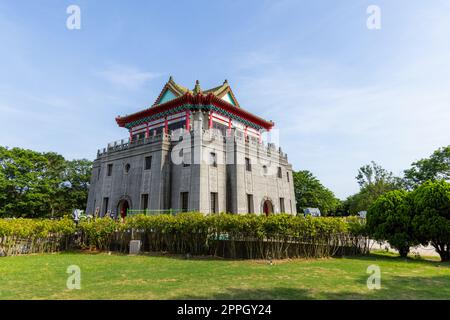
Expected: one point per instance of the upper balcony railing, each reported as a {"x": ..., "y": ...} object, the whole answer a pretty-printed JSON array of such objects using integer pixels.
[
  {"x": 125, "y": 144},
  {"x": 174, "y": 136}
]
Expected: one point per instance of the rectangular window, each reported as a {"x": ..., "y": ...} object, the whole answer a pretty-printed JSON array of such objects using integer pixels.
[
  {"x": 148, "y": 163},
  {"x": 248, "y": 164},
  {"x": 144, "y": 201},
  {"x": 280, "y": 175},
  {"x": 213, "y": 159},
  {"x": 184, "y": 201},
  {"x": 282, "y": 208},
  {"x": 105, "y": 206},
  {"x": 110, "y": 167},
  {"x": 250, "y": 208},
  {"x": 287, "y": 176},
  {"x": 98, "y": 173},
  {"x": 214, "y": 202},
  {"x": 222, "y": 128}
]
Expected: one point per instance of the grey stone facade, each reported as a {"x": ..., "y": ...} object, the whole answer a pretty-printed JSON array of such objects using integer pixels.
[{"x": 210, "y": 170}]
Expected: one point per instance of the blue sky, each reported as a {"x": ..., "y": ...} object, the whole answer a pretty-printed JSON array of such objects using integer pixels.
[{"x": 341, "y": 94}]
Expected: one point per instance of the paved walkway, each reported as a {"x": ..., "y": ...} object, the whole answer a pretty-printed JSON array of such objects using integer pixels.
[{"x": 428, "y": 251}]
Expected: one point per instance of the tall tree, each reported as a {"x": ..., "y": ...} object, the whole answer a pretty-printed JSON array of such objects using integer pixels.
[
  {"x": 390, "y": 218},
  {"x": 374, "y": 181},
  {"x": 34, "y": 184},
  {"x": 373, "y": 174},
  {"x": 54, "y": 173},
  {"x": 431, "y": 209},
  {"x": 434, "y": 168},
  {"x": 310, "y": 193},
  {"x": 76, "y": 183},
  {"x": 26, "y": 184}
]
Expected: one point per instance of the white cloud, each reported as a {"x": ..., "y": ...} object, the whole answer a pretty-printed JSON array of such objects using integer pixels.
[
  {"x": 387, "y": 100},
  {"x": 127, "y": 77},
  {"x": 332, "y": 126}
]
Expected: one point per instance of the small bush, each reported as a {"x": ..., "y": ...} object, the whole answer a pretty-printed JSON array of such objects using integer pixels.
[
  {"x": 228, "y": 235},
  {"x": 21, "y": 236}
]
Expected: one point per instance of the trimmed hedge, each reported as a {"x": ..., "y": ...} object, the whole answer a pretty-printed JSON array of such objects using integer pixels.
[
  {"x": 233, "y": 236},
  {"x": 227, "y": 235},
  {"x": 23, "y": 236}
]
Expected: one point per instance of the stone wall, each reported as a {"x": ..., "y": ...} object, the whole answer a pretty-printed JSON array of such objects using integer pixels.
[{"x": 168, "y": 177}]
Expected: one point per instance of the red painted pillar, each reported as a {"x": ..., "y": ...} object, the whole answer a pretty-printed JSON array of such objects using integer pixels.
[
  {"x": 147, "y": 131},
  {"x": 229, "y": 126},
  {"x": 188, "y": 120},
  {"x": 166, "y": 125},
  {"x": 131, "y": 134},
  {"x": 245, "y": 132},
  {"x": 210, "y": 120}
]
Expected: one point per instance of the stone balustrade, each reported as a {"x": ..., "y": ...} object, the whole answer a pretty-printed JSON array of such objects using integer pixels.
[{"x": 237, "y": 135}]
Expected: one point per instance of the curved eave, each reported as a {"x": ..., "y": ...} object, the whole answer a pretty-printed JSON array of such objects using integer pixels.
[{"x": 197, "y": 100}]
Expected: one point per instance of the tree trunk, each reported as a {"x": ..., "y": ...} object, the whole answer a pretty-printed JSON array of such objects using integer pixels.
[
  {"x": 403, "y": 252},
  {"x": 443, "y": 250},
  {"x": 445, "y": 256}
]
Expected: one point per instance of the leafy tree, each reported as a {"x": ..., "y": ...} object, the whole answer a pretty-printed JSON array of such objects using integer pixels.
[
  {"x": 310, "y": 193},
  {"x": 76, "y": 183},
  {"x": 25, "y": 183},
  {"x": 431, "y": 209},
  {"x": 390, "y": 218},
  {"x": 54, "y": 171},
  {"x": 374, "y": 181},
  {"x": 34, "y": 184},
  {"x": 375, "y": 175},
  {"x": 358, "y": 202},
  {"x": 436, "y": 167}
]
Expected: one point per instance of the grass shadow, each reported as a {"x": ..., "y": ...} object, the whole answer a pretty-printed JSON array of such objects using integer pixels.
[
  {"x": 395, "y": 288},
  {"x": 392, "y": 257},
  {"x": 373, "y": 256}
]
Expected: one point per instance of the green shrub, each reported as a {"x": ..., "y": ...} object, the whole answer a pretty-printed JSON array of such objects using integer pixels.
[
  {"x": 230, "y": 235},
  {"x": 356, "y": 226},
  {"x": 390, "y": 218},
  {"x": 35, "y": 228},
  {"x": 98, "y": 232},
  {"x": 260, "y": 236},
  {"x": 431, "y": 210},
  {"x": 21, "y": 236}
]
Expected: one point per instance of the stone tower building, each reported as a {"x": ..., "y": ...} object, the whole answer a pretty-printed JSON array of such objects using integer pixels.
[{"x": 192, "y": 150}]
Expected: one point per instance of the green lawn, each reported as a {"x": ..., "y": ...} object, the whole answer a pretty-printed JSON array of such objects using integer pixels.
[{"x": 114, "y": 276}]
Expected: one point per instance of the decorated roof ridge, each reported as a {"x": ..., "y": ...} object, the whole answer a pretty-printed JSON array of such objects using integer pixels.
[
  {"x": 190, "y": 99},
  {"x": 178, "y": 90},
  {"x": 197, "y": 88},
  {"x": 178, "y": 86},
  {"x": 218, "y": 89},
  {"x": 175, "y": 88}
]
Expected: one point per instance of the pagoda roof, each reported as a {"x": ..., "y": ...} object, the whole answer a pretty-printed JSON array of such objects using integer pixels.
[
  {"x": 179, "y": 90},
  {"x": 175, "y": 98}
]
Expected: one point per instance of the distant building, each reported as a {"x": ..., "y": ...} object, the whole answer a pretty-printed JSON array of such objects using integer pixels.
[
  {"x": 315, "y": 212},
  {"x": 192, "y": 150}
]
